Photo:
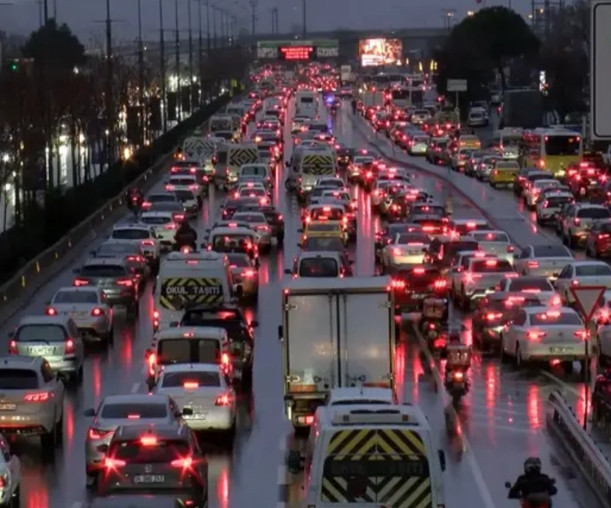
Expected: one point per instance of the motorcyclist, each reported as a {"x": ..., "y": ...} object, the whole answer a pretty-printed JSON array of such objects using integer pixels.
[
  {"x": 134, "y": 198},
  {"x": 185, "y": 236},
  {"x": 532, "y": 482},
  {"x": 457, "y": 355}
]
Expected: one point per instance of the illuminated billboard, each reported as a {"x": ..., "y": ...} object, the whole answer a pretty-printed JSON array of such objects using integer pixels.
[
  {"x": 295, "y": 52},
  {"x": 373, "y": 52}
]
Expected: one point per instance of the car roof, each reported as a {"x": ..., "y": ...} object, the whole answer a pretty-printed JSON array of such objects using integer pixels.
[
  {"x": 79, "y": 289},
  {"x": 131, "y": 225},
  {"x": 136, "y": 398},
  {"x": 543, "y": 309},
  {"x": 309, "y": 254},
  {"x": 207, "y": 332},
  {"x": 43, "y": 319},
  {"x": 192, "y": 367}
]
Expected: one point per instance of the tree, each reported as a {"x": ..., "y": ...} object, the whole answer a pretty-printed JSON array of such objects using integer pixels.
[
  {"x": 56, "y": 45},
  {"x": 484, "y": 43}
]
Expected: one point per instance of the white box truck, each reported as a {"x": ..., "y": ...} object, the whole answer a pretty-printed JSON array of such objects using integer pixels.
[{"x": 336, "y": 332}]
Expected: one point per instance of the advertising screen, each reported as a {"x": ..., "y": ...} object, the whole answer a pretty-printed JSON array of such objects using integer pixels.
[
  {"x": 375, "y": 52},
  {"x": 296, "y": 52}
]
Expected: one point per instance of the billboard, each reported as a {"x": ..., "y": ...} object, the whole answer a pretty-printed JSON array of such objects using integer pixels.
[
  {"x": 373, "y": 52},
  {"x": 292, "y": 53},
  {"x": 600, "y": 70}
]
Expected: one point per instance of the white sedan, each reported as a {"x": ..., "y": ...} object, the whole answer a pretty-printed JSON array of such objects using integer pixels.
[
  {"x": 543, "y": 260},
  {"x": 406, "y": 249},
  {"x": 88, "y": 308},
  {"x": 164, "y": 227},
  {"x": 582, "y": 273},
  {"x": 206, "y": 390},
  {"x": 532, "y": 194},
  {"x": 496, "y": 243},
  {"x": 540, "y": 334},
  {"x": 540, "y": 287}
]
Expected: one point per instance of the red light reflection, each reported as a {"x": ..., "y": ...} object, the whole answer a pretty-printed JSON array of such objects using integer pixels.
[
  {"x": 126, "y": 347},
  {"x": 222, "y": 489},
  {"x": 418, "y": 371},
  {"x": 69, "y": 417},
  {"x": 534, "y": 407},
  {"x": 96, "y": 373},
  {"x": 580, "y": 405},
  {"x": 38, "y": 498}
]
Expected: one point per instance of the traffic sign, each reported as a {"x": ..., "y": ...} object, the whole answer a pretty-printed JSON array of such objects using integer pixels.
[
  {"x": 600, "y": 69},
  {"x": 588, "y": 299},
  {"x": 457, "y": 85}
]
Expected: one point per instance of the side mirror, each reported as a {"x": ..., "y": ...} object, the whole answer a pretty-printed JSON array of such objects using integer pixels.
[
  {"x": 507, "y": 485},
  {"x": 76, "y": 271},
  {"x": 174, "y": 324},
  {"x": 254, "y": 323},
  {"x": 186, "y": 411},
  {"x": 89, "y": 413},
  {"x": 103, "y": 448},
  {"x": 300, "y": 230},
  {"x": 11, "y": 334},
  {"x": 288, "y": 271},
  {"x": 294, "y": 462},
  {"x": 442, "y": 459}
]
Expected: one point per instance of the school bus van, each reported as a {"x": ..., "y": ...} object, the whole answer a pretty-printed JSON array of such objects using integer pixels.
[
  {"x": 314, "y": 164},
  {"x": 185, "y": 280},
  {"x": 371, "y": 455},
  {"x": 230, "y": 157}
]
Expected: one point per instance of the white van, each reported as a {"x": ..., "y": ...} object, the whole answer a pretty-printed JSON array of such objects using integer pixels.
[
  {"x": 371, "y": 456},
  {"x": 184, "y": 280},
  {"x": 306, "y": 103}
]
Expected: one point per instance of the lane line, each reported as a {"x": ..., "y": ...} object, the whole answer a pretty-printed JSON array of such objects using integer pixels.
[
  {"x": 135, "y": 387},
  {"x": 76, "y": 504},
  {"x": 283, "y": 476}
]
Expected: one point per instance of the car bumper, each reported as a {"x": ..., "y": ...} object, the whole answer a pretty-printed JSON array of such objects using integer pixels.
[
  {"x": 31, "y": 424},
  {"x": 211, "y": 419},
  {"x": 549, "y": 352},
  {"x": 93, "y": 457},
  {"x": 64, "y": 365}
]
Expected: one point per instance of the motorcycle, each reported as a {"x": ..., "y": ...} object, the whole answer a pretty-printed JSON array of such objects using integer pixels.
[
  {"x": 457, "y": 384},
  {"x": 536, "y": 500},
  {"x": 434, "y": 317}
]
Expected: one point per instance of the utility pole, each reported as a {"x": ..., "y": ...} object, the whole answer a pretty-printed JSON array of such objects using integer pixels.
[
  {"x": 305, "y": 19},
  {"x": 275, "y": 20},
  {"x": 45, "y": 10},
  {"x": 190, "y": 55},
  {"x": 164, "y": 110},
  {"x": 214, "y": 9},
  {"x": 208, "y": 41},
  {"x": 110, "y": 112},
  {"x": 200, "y": 51},
  {"x": 141, "y": 75},
  {"x": 253, "y": 6},
  {"x": 177, "y": 63}
]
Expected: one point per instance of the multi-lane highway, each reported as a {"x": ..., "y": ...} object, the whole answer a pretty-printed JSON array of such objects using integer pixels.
[{"x": 503, "y": 418}]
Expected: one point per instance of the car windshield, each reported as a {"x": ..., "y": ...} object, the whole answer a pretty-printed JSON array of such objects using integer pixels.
[
  {"x": 327, "y": 213},
  {"x": 239, "y": 260},
  {"x": 251, "y": 218},
  {"x": 562, "y": 145},
  {"x": 41, "y": 333},
  {"x": 193, "y": 378},
  {"x": 525, "y": 284},
  {"x": 557, "y": 201},
  {"x": 593, "y": 213},
  {"x": 413, "y": 239},
  {"x": 156, "y": 220},
  {"x": 220, "y": 243},
  {"x": 322, "y": 243},
  {"x": 318, "y": 267},
  {"x": 253, "y": 171},
  {"x": 182, "y": 181},
  {"x": 131, "y": 234},
  {"x": 321, "y": 227},
  {"x": 167, "y": 206},
  {"x": 18, "y": 379},
  {"x": 592, "y": 270},
  {"x": 135, "y": 452},
  {"x": 551, "y": 251},
  {"x": 161, "y": 198},
  {"x": 555, "y": 318},
  {"x": 74, "y": 296},
  {"x": 133, "y": 411},
  {"x": 103, "y": 271},
  {"x": 185, "y": 195}
]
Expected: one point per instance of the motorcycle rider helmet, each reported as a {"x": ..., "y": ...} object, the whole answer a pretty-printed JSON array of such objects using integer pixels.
[{"x": 532, "y": 465}]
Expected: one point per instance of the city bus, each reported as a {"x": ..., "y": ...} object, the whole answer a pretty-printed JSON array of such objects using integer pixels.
[{"x": 551, "y": 149}]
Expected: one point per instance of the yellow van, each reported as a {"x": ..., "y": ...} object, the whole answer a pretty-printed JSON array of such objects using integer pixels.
[
  {"x": 325, "y": 229},
  {"x": 469, "y": 142},
  {"x": 504, "y": 172}
]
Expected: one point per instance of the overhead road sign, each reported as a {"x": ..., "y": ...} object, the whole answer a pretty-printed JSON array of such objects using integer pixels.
[
  {"x": 457, "y": 85},
  {"x": 588, "y": 299},
  {"x": 292, "y": 48},
  {"x": 600, "y": 69}
]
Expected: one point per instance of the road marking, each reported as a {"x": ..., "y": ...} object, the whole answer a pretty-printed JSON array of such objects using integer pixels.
[
  {"x": 76, "y": 504},
  {"x": 283, "y": 474},
  {"x": 135, "y": 387}
]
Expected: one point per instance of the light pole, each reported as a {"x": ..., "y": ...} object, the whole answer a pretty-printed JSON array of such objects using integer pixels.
[
  {"x": 208, "y": 41},
  {"x": 177, "y": 63},
  {"x": 141, "y": 76},
  {"x": 162, "y": 65},
  {"x": 190, "y": 55},
  {"x": 109, "y": 91},
  {"x": 305, "y": 19},
  {"x": 200, "y": 50}
]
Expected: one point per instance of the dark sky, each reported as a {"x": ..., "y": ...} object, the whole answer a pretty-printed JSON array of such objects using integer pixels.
[{"x": 83, "y": 15}]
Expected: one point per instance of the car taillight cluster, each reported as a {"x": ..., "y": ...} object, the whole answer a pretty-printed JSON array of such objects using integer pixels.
[
  {"x": 96, "y": 434},
  {"x": 223, "y": 400},
  {"x": 37, "y": 397}
]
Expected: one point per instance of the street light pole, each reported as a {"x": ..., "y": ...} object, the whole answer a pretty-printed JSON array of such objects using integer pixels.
[
  {"x": 214, "y": 9},
  {"x": 305, "y": 19},
  {"x": 177, "y": 63},
  {"x": 190, "y": 52},
  {"x": 109, "y": 91},
  {"x": 200, "y": 50},
  {"x": 208, "y": 41},
  {"x": 141, "y": 74},
  {"x": 162, "y": 66}
]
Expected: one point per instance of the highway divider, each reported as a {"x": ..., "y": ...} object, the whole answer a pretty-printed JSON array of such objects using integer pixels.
[
  {"x": 20, "y": 289},
  {"x": 578, "y": 444}
]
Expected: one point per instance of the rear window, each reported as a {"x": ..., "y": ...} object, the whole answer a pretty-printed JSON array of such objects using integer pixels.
[
  {"x": 131, "y": 234},
  {"x": 250, "y": 217},
  {"x": 535, "y": 177},
  {"x": 133, "y": 410},
  {"x": 117, "y": 248},
  {"x": 555, "y": 318},
  {"x": 551, "y": 251},
  {"x": 42, "y": 333},
  {"x": 491, "y": 266},
  {"x": 318, "y": 267},
  {"x": 452, "y": 248},
  {"x": 593, "y": 213},
  {"x": 161, "y": 198},
  {"x": 590, "y": 270},
  {"x": 306, "y": 100},
  {"x": 18, "y": 379},
  {"x": 557, "y": 201},
  {"x": 424, "y": 209},
  {"x": 413, "y": 239},
  {"x": 606, "y": 228},
  {"x": 329, "y": 214},
  {"x": 179, "y": 379},
  {"x": 185, "y": 195},
  {"x": 491, "y": 237},
  {"x": 424, "y": 272},
  {"x": 322, "y": 227},
  {"x": 507, "y": 165},
  {"x": 253, "y": 171},
  {"x": 156, "y": 220},
  {"x": 109, "y": 271},
  {"x": 321, "y": 243},
  {"x": 221, "y": 243},
  {"x": 182, "y": 181},
  {"x": 238, "y": 260},
  {"x": 188, "y": 350},
  {"x": 134, "y": 452},
  {"x": 167, "y": 206},
  {"x": 76, "y": 297},
  {"x": 526, "y": 284}
]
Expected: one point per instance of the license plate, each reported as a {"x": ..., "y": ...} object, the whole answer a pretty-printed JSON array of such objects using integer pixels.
[
  {"x": 414, "y": 252},
  {"x": 560, "y": 349},
  {"x": 40, "y": 350},
  {"x": 8, "y": 407},
  {"x": 418, "y": 296},
  {"x": 149, "y": 478}
]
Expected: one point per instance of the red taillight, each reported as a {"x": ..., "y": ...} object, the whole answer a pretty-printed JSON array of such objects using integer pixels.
[
  {"x": 148, "y": 243},
  {"x": 128, "y": 283},
  {"x": 535, "y": 335},
  {"x": 170, "y": 226},
  {"x": 185, "y": 463},
  {"x": 152, "y": 363},
  {"x": 80, "y": 282},
  {"x": 493, "y": 316},
  {"x": 110, "y": 463},
  {"x": 12, "y": 347},
  {"x": 604, "y": 236},
  {"x": 440, "y": 285},
  {"x": 96, "y": 434},
  {"x": 69, "y": 349},
  {"x": 510, "y": 248},
  {"x": 419, "y": 271},
  {"x": 533, "y": 264},
  {"x": 148, "y": 440},
  {"x": 458, "y": 375},
  {"x": 398, "y": 284},
  {"x": 577, "y": 221},
  {"x": 135, "y": 259},
  {"x": 155, "y": 314},
  {"x": 37, "y": 397},
  {"x": 51, "y": 311},
  {"x": 249, "y": 274},
  {"x": 223, "y": 400},
  {"x": 178, "y": 217},
  {"x": 581, "y": 334},
  {"x": 97, "y": 312}
]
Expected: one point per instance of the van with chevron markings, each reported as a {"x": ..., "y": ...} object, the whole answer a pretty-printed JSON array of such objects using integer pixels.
[{"x": 371, "y": 455}]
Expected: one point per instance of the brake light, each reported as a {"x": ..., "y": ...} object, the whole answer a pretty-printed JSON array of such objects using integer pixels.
[
  {"x": 190, "y": 385},
  {"x": 535, "y": 335},
  {"x": 110, "y": 463},
  {"x": 148, "y": 243},
  {"x": 396, "y": 251},
  {"x": 429, "y": 229},
  {"x": 135, "y": 259},
  {"x": 510, "y": 248},
  {"x": 184, "y": 463},
  {"x": 37, "y": 397},
  {"x": 152, "y": 362},
  {"x": 147, "y": 204},
  {"x": 493, "y": 316},
  {"x": 419, "y": 271},
  {"x": 581, "y": 334},
  {"x": 51, "y": 311},
  {"x": 249, "y": 273},
  {"x": 458, "y": 375},
  {"x": 170, "y": 226},
  {"x": 533, "y": 264},
  {"x": 133, "y": 417},
  {"x": 96, "y": 434},
  {"x": 491, "y": 262},
  {"x": 80, "y": 282},
  {"x": 603, "y": 236},
  {"x": 398, "y": 284},
  {"x": 223, "y": 400},
  {"x": 170, "y": 187},
  {"x": 178, "y": 217},
  {"x": 128, "y": 283},
  {"x": 148, "y": 441},
  {"x": 577, "y": 221},
  {"x": 97, "y": 312},
  {"x": 440, "y": 285},
  {"x": 12, "y": 347},
  {"x": 155, "y": 314},
  {"x": 69, "y": 346}
]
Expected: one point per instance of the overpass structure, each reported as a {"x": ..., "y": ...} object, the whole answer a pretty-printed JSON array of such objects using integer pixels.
[{"x": 419, "y": 42}]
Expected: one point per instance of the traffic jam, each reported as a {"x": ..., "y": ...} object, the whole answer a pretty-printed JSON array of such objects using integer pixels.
[{"x": 282, "y": 281}]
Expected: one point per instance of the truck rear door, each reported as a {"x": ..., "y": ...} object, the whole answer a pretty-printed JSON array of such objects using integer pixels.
[{"x": 367, "y": 339}]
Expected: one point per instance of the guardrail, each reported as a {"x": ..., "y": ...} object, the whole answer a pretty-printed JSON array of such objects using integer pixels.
[
  {"x": 20, "y": 289},
  {"x": 592, "y": 463}
]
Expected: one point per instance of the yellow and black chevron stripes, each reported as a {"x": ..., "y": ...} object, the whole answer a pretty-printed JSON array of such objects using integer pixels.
[
  {"x": 377, "y": 466},
  {"x": 240, "y": 156},
  {"x": 176, "y": 292},
  {"x": 316, "y": 164}
]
